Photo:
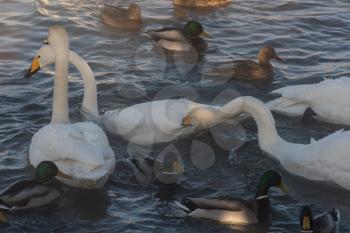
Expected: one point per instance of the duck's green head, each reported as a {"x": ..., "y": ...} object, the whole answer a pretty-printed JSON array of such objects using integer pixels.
[
  {"x": 194, "y": 29},
  {"x": 270, "y": 179},
  {"x": 47, "y": 170},
  {"x": 306, "y": 219}
]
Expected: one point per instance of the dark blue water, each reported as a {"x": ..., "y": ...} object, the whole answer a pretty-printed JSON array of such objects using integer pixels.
[{"x": 311, "y": 36}]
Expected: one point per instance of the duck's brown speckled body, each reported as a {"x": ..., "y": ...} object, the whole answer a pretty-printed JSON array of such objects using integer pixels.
[
  {"x": 201, "y": 3},
  {"x": 120, "y": 18},
  {"x": 251, "y": 70}
]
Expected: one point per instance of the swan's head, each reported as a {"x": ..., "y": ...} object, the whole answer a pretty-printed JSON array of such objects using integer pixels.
[
  {"x": 267, "y": 53},
  {"x": 47, "y": 170},
  {"x": 44, "y": 57},
  {"x": 201, "y": 118},
  {"x": 306, "y": 220},
  {"x": 57, "y": 41},
  {"x": 134, "y": 12}
]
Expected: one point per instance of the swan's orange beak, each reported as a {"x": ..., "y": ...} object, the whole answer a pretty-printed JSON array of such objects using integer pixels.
[
  {"x": 34, "y": 67},
  {"x": 187, "y": 121}
]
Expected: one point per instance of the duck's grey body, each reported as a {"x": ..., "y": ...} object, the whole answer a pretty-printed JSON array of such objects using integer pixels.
[
  {"x": 223, "y": 209},
  {"x": 120, "y": 18},
  {"x": 27, "y": 194},
  {"x": 171, "y": 39},
  {"x": 327, "y": 222}
]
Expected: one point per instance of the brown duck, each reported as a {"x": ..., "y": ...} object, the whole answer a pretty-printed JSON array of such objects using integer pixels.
[
  {"x": 120, "y": 18},
  {"x": 201, "y": 3},
  {"x": 251, "y": 70}
]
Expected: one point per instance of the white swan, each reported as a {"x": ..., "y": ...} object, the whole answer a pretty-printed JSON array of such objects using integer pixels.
[
  {"x": 80, "y": 150},
  {"x": 327, "y": 159},
  {"x": 329, "y": 100},
  {"x": 143, "y": 124}
]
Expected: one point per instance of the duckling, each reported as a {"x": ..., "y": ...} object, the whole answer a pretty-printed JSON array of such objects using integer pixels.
[
  {"x": 120, "y": 18},
  {"x": 175, "y": 39},
  {"x": 251, "y": 70},
  {"x": 149, "y": 171},
  {"x": 201, "y": 3},
  {"x": 235, "y": 210},
  {"x": 324, "y": 223},
  {"x": 27, "y": 194}
]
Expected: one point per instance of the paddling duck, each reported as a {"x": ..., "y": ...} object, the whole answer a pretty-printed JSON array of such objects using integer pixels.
[
  {"x": 261, "y": 70},
  {"x": 324, "y": 223},
  {"x": 181, "y": 39},
  {"x": 26, "y": 194},
  {"x": 200, "y": 3},
  {"x": 120, "y": 18},
  {"x": 235, "y": 210}
]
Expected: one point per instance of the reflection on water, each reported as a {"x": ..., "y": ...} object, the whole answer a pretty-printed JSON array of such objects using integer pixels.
[{"x": 312, "y": 36}]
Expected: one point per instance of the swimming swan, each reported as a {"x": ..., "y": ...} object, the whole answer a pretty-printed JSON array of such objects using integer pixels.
[
  {"x": 324, "y": 160},
  {"x": 143, "y": 124},
  {"x": 329, "y": 100},
  {"x": 80, "y": 150}
]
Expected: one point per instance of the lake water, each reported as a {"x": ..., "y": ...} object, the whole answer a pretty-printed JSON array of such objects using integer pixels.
[{"x": 311, "y": 36}]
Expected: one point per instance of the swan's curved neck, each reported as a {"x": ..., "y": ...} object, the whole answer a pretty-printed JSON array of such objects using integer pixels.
[
  {"x": 267, "y": 132},
  {"x": 90, "y": 92},
  {"x": 60, "y": 112}
]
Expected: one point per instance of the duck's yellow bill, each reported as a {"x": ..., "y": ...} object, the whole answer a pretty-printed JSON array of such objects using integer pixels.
[
  {"x": 187, "y": 121},
  {"x": 283, "y": 188},
  {"x": 63, "y": 175},
  {"x": 34, "y": 67},
  {"x": 3, "y": 218},
  {"x": 205, "y": 34},
  {"x": 306, "y": 223},
  {"x": 178, "y": 167}
]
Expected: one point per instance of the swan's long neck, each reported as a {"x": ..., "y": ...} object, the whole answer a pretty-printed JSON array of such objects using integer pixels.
[
  {"x": 267, "y": 132},
  {"x": 60, "y": 112},
  {"x": 90, "y": 91}
]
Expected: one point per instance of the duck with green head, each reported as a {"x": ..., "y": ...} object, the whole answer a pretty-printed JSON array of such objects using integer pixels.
[
  {"x": 27, "y": 194},
  {"x": 324, "y": 223},
  {"x": 177, "y": 39},
  {"x": 235, "y": 210}
]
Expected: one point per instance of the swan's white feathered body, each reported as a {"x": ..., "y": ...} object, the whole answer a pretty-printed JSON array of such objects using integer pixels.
[
  {"x": 327, "y": 159},
  {"x": 329, "y": 99},
  {"x": 151, "y": 122},
  {"x": 80, "y": 150}
]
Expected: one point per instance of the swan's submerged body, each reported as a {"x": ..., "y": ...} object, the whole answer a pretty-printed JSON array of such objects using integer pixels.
[
  {"x": 151, "y": 122},
  {"x": 329, "y": 99},
  {"x": 80, "y": 150}
]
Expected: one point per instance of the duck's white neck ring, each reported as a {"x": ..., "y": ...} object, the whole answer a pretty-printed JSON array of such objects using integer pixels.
[
  {"x": 307, "y": 231},
  {"x": 262, "y": 197}
]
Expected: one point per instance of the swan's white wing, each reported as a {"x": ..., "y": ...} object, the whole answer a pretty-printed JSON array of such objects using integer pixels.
[
  {"x": 329, "y": 99},
  {"x": 80, "y": 150},
  {"x": 150, "y": 122},
  {"x": 330, "y": 159}
]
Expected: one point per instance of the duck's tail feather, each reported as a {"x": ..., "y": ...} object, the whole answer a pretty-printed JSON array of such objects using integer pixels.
[
  {"x": 4, "y": 206},
  {"x": 335, "y": 213},
  {"x": 182, "y": 207}
]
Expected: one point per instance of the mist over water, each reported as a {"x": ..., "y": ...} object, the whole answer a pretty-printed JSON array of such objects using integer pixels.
[{"x": 311, "y": 36}]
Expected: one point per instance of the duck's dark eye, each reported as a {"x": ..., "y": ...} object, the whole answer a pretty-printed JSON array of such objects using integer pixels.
[{"x": 38, "y": 56}]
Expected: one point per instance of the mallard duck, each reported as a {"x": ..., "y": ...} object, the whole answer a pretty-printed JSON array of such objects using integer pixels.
[
  {"x": 235, "y": 210},
  {"x": 122, "y": 18},
  {"x": 251, "y": 70},
  {"x": 324, "y": 223},
  {"x": 149, "y": 171},
  {"x": 201, "y": 3},
  {"x": 327, "y": 101},
  {"x": 81, "y": 149},
  {"x": 27, "y": 194},
  {"x": 176, "y": 39}
]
